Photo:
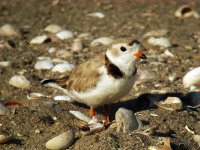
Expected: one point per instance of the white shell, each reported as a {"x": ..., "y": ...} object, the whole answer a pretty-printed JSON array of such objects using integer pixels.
[
  {"x": 63, "y": 35},
  {"x": 4, "y": 138},
  {"x": 53, "y": 28},
  {"x": 51, "y": 49},
  {"x": 44, "y": 58},
  {"x": 96, "y": 126},
  {"x": 4, "y": 63},
  {"x": 102, "y": 40},
  {"x": 3, "y": 109},
  {"x": 156, "y": 33},
  {"x": 35, "y": 96},
  {"x": 192, "y": 77},
  {"x": 8, "y": 30},
  {"x": 182, "y": 13},
  {"x": 172, "y": 100},
  {"x": 80, "y": 115},
  {"x": 43, "y": 65},
  {"x": 168, "y": 53},
  {"x": 97, "y": 14},
  {"x": 62, "y": 141},
  {"x": 62, "y": 98},
  {"x": 77, "y": 45},
  {"x": 39, "y": 39},
  {"x": 161, "y": 41},
  {"x": 64, "y": 67},
  {"x": 20, "y": 82}
]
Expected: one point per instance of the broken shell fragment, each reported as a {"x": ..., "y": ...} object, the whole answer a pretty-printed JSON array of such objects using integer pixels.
[
  {"x": 161, "y": 41},
  {"x": 61, "y": 141},
  {"x": 62, "y": 98},
  {"x": 97, "y": 15},
  {"x": 64, "y": 67},
  {"x": 192, "y": 78},
  {"x": 126, "y": 120},
  {"x": 20, "y": 82},
  {"x": 4, "y": 138},
  {"x": 35, "y": 96},
  {"x": 186, "y": 11},
  {"x": 8, "y": 30},
  {"x": 102, "y": 40},
  {"x": 53, "y": 28},
  {"x": 40, "y": 39},
  {"x": 4, "y": 63},
  {"x": 171, "y": 103},
  {"x": 80, "y": 115},
  {"x": 63, "y": 35},
  {"x": 43, "y": 65}
]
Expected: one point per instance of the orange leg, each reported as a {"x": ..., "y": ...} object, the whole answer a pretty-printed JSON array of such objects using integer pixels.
[
  {"x": 92, "y": 112},
  {"x": 106, "y": 113}
]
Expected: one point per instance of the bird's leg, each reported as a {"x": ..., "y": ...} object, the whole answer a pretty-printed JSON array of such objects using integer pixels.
[
  {"x": 106, "y": 113},
  {"x": 92, "y": 112}
]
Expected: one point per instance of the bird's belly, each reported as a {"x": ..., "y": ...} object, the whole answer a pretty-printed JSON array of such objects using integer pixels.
[{"x": 108, "y": 90}]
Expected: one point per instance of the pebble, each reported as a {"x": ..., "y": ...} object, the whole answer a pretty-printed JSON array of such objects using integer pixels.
[
  {"x": 97, "y": 15},
  {"x": 160, "y": 41},
  {"x": 126, "y": 120},
  {"x": 8, "y": 30},
  {"x": 62, "y": 141},
  {"x": 192, "y": 78},
  {"x": 4, "y": 63},
  {"x": 185, "y": 11},
  {"x": 62, "y": 68},
  {"x": 101, "y": 40},
  {"x": 20, "y": 82},
  {"x": 53, "y": 28},
  {"x": 4, "y": 138},
  {"x": 43, "y": 65},
  {"x": 77, "y": 45},
  {"x": 39, "y": 39},
  {"x": 63, "y": 35}
]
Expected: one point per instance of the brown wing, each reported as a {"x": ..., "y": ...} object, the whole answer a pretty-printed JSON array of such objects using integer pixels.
[{"x": 85, "y": 75}]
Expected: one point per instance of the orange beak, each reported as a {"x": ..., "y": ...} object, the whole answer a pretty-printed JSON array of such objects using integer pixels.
[{"x": 139, "y": 54}]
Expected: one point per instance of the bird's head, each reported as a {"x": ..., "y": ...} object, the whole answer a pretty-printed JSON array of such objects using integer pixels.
[{"x": 125, "y": 52}]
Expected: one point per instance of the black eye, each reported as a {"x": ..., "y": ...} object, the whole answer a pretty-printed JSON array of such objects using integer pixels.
[{"x": 123, "y": 49}]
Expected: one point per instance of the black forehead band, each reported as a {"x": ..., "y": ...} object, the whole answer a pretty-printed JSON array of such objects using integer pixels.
[{"x": 133, "y": 42}]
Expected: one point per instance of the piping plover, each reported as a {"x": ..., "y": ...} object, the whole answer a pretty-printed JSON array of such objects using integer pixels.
[{"x": 104, "y": 79}]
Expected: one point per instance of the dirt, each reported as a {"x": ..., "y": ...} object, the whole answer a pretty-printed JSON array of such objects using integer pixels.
[{"x": 123, "y": 18}]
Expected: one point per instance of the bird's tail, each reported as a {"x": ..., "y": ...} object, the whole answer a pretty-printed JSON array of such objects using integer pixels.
[{"x": 56, "y": 83}]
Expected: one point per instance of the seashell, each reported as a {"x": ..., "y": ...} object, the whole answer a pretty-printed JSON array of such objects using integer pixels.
[
  {"x": 188, "y": 129},
  {"x": 97, "y": 15},
  {"x": 4, "y": 138},
  {"x": 64, "y": 67},
  {"x": 172, "y": 77},
  {"x": 44, "y": 58},
  {"x": 161, "y": 41},
  {"x": 62, "y": 98},
  {"x": 126, "y": 120},
  {"x": 168, "y": 53},
  {"x": 20, "y": 82},
  {"x": 192, "y": 78},
  {"x": 39, "y": 39},
  {"x": 156, "y": 33},
  {"x": 35, "y": 96},
  {"x": 102, "y": 40},
  {"x": 196, "y": 138},
  {"x": 53, "y": 28},
  {"x": 62, "y": 141},
  {"x": 8, "y": 30},
  {"x": 186, "y": 11},
  {"x": 80, "y": 115},
  {"x": 77, "y": 45},
  {"x": 52, "y": 50},
  {"x": 63, "y": 35},
  {"x": 171, "y": 103},
  {"x": 43, "y": 65},
  {"x": 4, "y": 63},
  {"x": 3, "y": 109}
]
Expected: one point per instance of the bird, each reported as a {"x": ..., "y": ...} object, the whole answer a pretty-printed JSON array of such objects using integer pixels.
[{"x": 105, "y": 78}]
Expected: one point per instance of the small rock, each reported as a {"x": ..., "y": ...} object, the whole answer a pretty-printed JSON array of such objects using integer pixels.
[
  {"x": 52, "y": 50},
  {"x": 102, "y": 40},
  {"x": 161, "y": 41},
  {"x": 126, "y": 120},
  {"x": 63, "y": 35},
  {"x": 4, "y": 138},
  {"x": 97, "y": 15},
  {"x": 186, "y": 11},
  {"x": 40, "y": 39},
  {"x": 64, "y": 67},
  {"x": 43, "y": 65},
  {"x": 196, "y": 138},
  {"x": 62, "y": 141},
  {"x": 77, "y": 45},
  {"x": 8, "y": 30},
  {"x": 37, "y": 131},
  {"x": 53, "y": 28},
  {"x": 20, "y": 82}
]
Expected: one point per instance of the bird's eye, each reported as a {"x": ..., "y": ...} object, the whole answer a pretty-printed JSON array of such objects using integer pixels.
[{"x": 123, "y": 49}]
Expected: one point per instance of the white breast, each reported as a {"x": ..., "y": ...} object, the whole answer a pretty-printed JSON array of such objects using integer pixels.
[{"x": 108, "y": 90}]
